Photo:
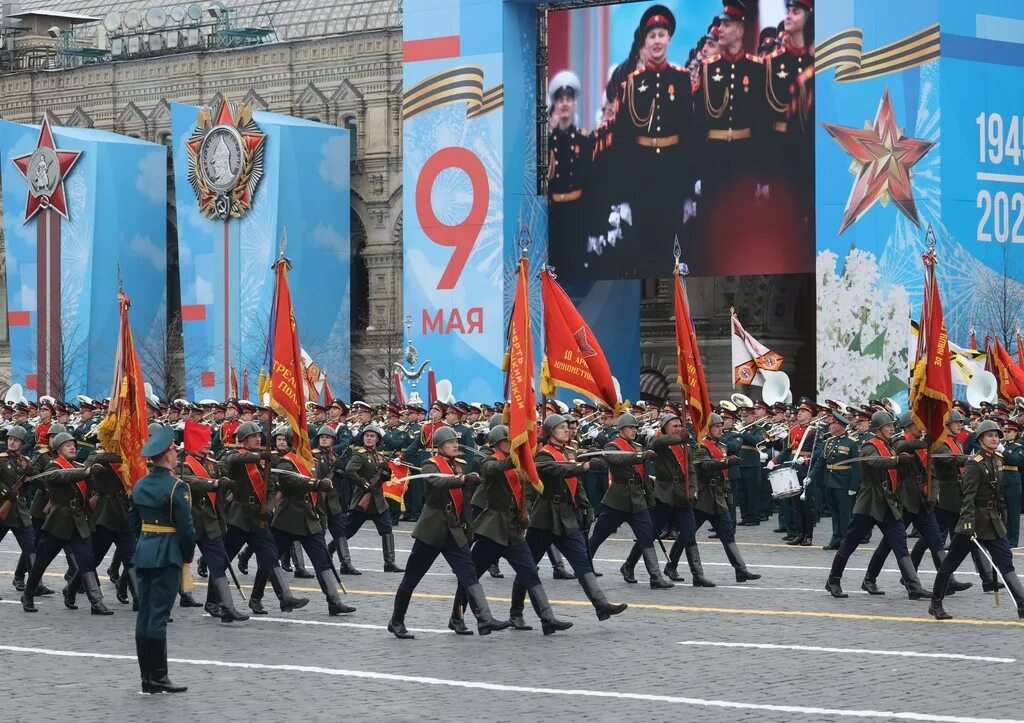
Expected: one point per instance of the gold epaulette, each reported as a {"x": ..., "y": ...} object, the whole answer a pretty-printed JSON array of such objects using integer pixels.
[
  {"x": 756, "y": 58},
  {"x": 359, "y": 449},
  {"x": 460, "y": 460},
  {"x": 978, "y": 457},
  {"x": 712, "y": 59}
]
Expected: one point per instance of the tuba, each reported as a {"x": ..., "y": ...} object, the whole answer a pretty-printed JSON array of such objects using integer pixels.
[
  {"x": 776, "y": 387},
  {"x": 982, "y": 389}
]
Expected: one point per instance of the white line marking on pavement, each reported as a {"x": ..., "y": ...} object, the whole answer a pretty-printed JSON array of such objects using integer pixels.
[
  {"x": 519, "y": 689},
  {"x": 860, "y": 651},
  {"x": 330, "y": 623}
]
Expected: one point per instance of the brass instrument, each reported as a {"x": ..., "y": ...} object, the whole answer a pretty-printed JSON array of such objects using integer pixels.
[{"x": 752, "y": 425}]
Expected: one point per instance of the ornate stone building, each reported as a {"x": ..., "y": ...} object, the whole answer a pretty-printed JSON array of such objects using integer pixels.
[{"x": 334, "y": 61}]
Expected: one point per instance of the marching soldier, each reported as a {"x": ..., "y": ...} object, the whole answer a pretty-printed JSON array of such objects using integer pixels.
[
  {"x": 66, "y": 524},
  {"x": 556, "y": 515},
  {"x": 500, "y": 528},
  {"x": 328, "y": 466},
  {"x": 626, "y": 500},
  {"x": 839, "y": 484},
  {"x": 877, "y": 505},
  {"x": 1013, "y": 459},
  {"x": 166, "y": 544},
  {"x": 248, "y": 512},
  {"x": 368, "y": 470},
  {"x": 296, "y": 518},
  {"x": 980, "y": 522},
  {"x": 917, "y": 502},
  {"x": 199, "y": 471},
  {"x": 443, "y": 530},
  {"x": 798, "y": 450},
  {"x": 14, "y": 516}
]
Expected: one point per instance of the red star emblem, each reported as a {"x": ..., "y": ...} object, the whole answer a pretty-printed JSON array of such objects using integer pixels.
[
  {"x": 882, "y": 159},
  {"x": 44, "y": 170}
]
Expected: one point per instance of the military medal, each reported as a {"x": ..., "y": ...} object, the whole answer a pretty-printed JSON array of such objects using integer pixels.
[
  {"x": 717, "y": 76},
  {"x": 643, "y": 86},
  {"x": 782, "y": 71},
  {"x": 671, "y": 91},
  {"x": 746, "y": 83}
]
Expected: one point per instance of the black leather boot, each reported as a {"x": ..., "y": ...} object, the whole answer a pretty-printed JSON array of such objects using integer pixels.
[
  {"x": 142, "y": 652},
  {"x": 300, "y": 563},
  {"x": 284, "y": 593},
  {"x": 910, "y": 580},
  {"x": 259, "y": 586},
  {"x": 457, "y": 621},
  {"x": 736, "y": 560},
  {"x": 549, "y": 623},
  {"x": 335, "y": 606},
  {"x": 71, "y": 590},
  {"x": 396, "y": 625},
  {"x": 187, "y": 601},
  {"x": 515, "y": 610},
  {"x": 222, "y": 592},
  {"x": 955, "y": 585},
  {"x": 672, "y": 566},
  {"x": 131, "y": 582},
  {"x": 201, "y": 569},
  {"x": 833, "y": 584},
  {"x": 989, "y": 579},
  {"x": 92, "y": 591},
  {"x": 388, "y": 546},
  {"x": 558, "y": 565},
  {"x": 243, "y": 559},
  {"x": 696, "y": 568},
  {"x": 28, "y": 595},
  {"x": 495, "y": 571},
  {"x": 485, "y": 624},
  {"x": 1017, "y": 591},
  {"x": 597, "y": 597},
  {"x": 657, "y": 580},
  {"x": 156, "y": 656},
  {"x": 115, "y": 565},
  {"x": 212, "y": 604},
  {"x": 629, "y": 566},
  {"x": 875, "y": 564},
  {"x": 344, "y": 556},
  {"x": 938, "y": 593}
]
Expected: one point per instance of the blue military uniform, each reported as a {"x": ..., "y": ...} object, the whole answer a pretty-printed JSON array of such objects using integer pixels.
[
  {"x": 838, "y": 481},
  {"x": 166, "y": 544},
  {"x": 1013, "y": 460}
]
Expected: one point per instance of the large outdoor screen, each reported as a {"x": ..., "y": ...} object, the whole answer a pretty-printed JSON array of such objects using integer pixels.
[{"x": 684, "y": 121}]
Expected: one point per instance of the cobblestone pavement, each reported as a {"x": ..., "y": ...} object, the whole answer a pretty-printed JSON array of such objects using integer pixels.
[{"x": 680, "y": 654}]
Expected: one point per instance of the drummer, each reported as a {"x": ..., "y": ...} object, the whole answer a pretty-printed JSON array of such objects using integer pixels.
[{"x": 798, "y": 450}]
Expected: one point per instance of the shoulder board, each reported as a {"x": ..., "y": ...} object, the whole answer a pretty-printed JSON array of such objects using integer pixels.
[
  {"x": 777, "y": 52},
  {"x": 712, "y": 59},
  {"x": 978, "y": 458},
  {"x": 757, "y": 59},
  {"x": 680, "y": 68},
  {"x": 359, "y": 449},
  {"x": 635, "y": 72},
  {"x": 3, "y": 454},
  {"x": 460, "y": 460}
]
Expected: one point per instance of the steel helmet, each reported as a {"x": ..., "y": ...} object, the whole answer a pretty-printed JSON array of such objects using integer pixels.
[
  {"x": 714, "y": 419},
  {"x": 551, "y": 421},
  {"x": 442, "y": 435},
  {"x": 283, "y": 431},
  {"x": 497, "y": 434},
  {"x": 371, "y": 428},
  {"x": 881, "y": 418},
  {"x": 327, "y": 430},
  {"x": 905, "y": 419},
  {"x": 247, "y": 429},
  {"x": 955, "y": 416},
  {"x": 61, "y": 439},
  {"x": 495, "y": 420},
  {"x": 18, "y": 432},
  {"x": 56, "y": 428},
  {"x": 625, "y": 420},
  {"x": 988, "y": 426},
  {"x": 666, "y": 418}
]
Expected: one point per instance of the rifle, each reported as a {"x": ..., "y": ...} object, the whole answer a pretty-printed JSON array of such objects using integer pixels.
[
  {"x": 366, "y": 495},
  {"x": 8, "y": 505},
  {"x": 234, "y": 579}
]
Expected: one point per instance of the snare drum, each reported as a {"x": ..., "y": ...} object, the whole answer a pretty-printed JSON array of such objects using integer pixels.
[{"x": 785, "y": 482}]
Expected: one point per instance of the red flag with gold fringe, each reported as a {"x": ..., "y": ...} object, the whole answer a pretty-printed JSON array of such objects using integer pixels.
[
  {"x": 287, "y": 382},
  {"x": 691, "y": 369},
  {"x": 1008, "y": 374},
  {"x": 573, "y": 359},
  {"x": 124, "y": 431},
  {"x": 521, "y": 411}
]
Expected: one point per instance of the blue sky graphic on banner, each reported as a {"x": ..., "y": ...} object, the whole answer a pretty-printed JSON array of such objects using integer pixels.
[
  {"x": 117, "y": 206},
  {"x": 869, "y": 276},
  {"x": 304, "y": 194}
]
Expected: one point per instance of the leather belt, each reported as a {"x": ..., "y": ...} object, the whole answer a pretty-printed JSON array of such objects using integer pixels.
[
  {"x": 732, "y": 134},
  {"x": 158, "y": 529},
  {"x": 780, "y": 126},
  {"x": 654, "y": 142},
  {"x": 1009, "y": 467},
  {"x": 838, "y": 466},
  {"x": 570, "y": 196}
]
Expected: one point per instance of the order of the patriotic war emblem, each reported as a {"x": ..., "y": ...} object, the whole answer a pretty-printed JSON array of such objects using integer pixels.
[{"x": 225, "y": 162}]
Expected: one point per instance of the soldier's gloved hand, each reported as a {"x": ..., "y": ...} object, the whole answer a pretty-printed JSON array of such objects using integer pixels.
[
  {"x": 689, "y": 210},
  {"x": 508, "y": 463},
  {"x": 324, "y": 484},
  {"x": 961, "y": 459},
  {"x": 223, "y": 483},
  {"x": 268, "y": 454},
  {"x": 853, "y": 493},
  {"x": 733, "y": 460},
  {"x": 763, "y": 456},
  {"x": 650, "y": 455},
  {"x": 470, "y": 478},
  {"x": 904, "y": 456},
  {"x": 384, "y": 471},
  {"x": 597, "y": 463}
]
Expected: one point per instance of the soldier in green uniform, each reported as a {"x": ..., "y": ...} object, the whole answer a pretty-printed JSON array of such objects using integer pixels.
[
  {"x": 418, "y": 451},
  {"x": 626, "y": 500},
  {"x": 838, "y": 480},
  {"x": 500, "y": 528},
  {"x": 250, "y": 509},
  {"x": 1013, "y": 459},
  {"x": 751, "y": 436},
  {"x": 199, "y": 471},
  {"x": 442, "y": 530},
  {"x": 877, "y": 505},
  {"x": 334, "y": 514},
  {"x": 981, "y": 521},
  {"x": 166, "y": 544},
  {"x": 66, "y": 524},
  {"x": 296, "y": 518},
  {"x": 13, "y": 469},
  {"x": 368, "y": 470}
]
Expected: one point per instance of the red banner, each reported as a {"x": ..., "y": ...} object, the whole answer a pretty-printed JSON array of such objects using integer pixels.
[
  {"x": 931, "y": 384},
  {"x": 197, "y": 435},
  {"x": 691, "y": 369},
  {"x": 573, "y": 359},
  {"x": 287, "y": 387},
  {"x": 1020, "y": 351},
  {"x": 394, "y": 488},
  {"x": 124, "y": 431},
  {"x": 521, "y": 411},
  {"x": 1009, "y": 375}
]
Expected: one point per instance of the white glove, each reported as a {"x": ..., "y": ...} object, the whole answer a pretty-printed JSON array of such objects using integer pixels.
[
  {"x": 771, "y": 465},
  {"x": 626, "y": 213},
  {"x": 800, "y": 460},
  {"x": 697, "y": 187},
  {"x": 689, "y": 210},
  {"x": 853, "y": 493},
  {"x": 764, "y": 457}
]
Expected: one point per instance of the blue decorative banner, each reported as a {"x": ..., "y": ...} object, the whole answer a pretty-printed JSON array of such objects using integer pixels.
[
  {"x": 106, "y": 211},
  {"x": 303, "y": 201}
]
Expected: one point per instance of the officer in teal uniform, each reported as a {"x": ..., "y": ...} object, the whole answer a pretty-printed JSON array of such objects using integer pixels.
[
  {"x": 167, "y": 543},
  {"x": 1013, "y": 460},
  {"x": 839, "y": 481},
  {"x": 733, "y": 442},
  {"x": 750, "y": 468}
]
